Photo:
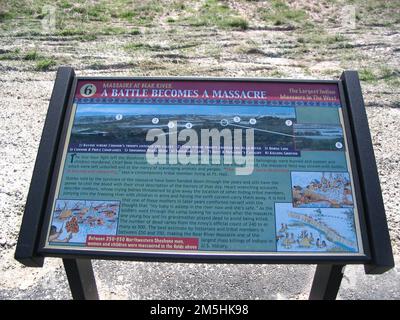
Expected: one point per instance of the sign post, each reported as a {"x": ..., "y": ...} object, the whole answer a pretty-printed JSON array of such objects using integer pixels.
[
  {"x": 206, "y": 170},
  {"x": 326, "y": 282},
  {"x": 81, "y": 279}
]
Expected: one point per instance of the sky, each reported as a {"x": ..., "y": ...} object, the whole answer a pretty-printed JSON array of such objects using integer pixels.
[{"x": 124, "y": 109}]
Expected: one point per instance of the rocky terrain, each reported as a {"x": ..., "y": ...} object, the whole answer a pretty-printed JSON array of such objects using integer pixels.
[{"x": 274, "y": 39}]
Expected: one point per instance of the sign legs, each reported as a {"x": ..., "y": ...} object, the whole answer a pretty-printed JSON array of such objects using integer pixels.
[
  {"x": 326, "y": 282},
  {"x": 81, "y": 279}
]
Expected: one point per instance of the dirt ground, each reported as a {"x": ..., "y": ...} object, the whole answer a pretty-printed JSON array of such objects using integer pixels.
[{"x": 174, "y": 45}]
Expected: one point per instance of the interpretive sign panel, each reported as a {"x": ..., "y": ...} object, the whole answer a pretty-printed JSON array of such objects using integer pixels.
[
  {"x": 208, "y": 170},
  {"x": 206, "y": 167}
]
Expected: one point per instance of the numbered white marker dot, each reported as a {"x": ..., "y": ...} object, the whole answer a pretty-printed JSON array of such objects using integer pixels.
[
  {"x": 118, "y": 117},
  {"x": 188, "y": 125},
  {"x": 171, "y": 125},
  {"x": 252, "y": 121},
  {"x": 224, "y": 122},
  {"x": 236, "y": 119},
  {"x": 288, "y": 122},
  {"x": 155, "y": 120},
  {"x": 339, "y": 145}
]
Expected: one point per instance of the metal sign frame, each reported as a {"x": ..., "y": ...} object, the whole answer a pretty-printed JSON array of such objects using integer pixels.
[{"x": 377, "y": 257}]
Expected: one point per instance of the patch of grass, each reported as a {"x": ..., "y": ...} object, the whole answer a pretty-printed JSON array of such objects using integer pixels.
[
  {"x": 143, "y": 12},
  {"x": 142, "y": 46},
  {"x": 112, "y": 30},
  {"x": 282, "y": 14},
  {"x": 151, "y": 65},
  {"x": 28, "y": 33},
  {"x": 381, "y": 73},
  {"x": 377, "y": 13},
  {"x": 45, "y": 64},
  {"x": 10, "y": 54},
  {"x": 367, "y": 75},
  {"x": 320, "y": 38},
  {"x": 86, "y": 37},
  {"x": 134, "y": 32},
  {"x": 344, "y": 45},
  {"x": 249, "y": 47},
  {"x": 71, "y": 32},
  {"x": 42, "y": 63},
  {"x": 214, "y": 51},
  {"x": 78, "y": 33},
  {"x": 72, "y": 15},
  {"x": 172, "y": 31},
  {"x": 236, "y": 23},
  {"x": 69, "y": 13},
  {"x": 32, "y": 55},
  {"x": 349, "y": 57},
  {"x": 276, "y": 74},
  {"x": 128, "y": 14},
  {"x": 5, "y": 15},
  {"x": 156, "y": 47},
  {"x": 179, "y": 5},
  {"x": 91, "y": 34},
  {"x": 332, "y": 72},
  {"x": 98, "y": 12},
  {"x": 322, "y": 44},
  {"x": 215, "y": 13},
  {"x": 65, "y": 4},
  {"x": 97, "y": 65},
  {"x": 389, "y": 75}
]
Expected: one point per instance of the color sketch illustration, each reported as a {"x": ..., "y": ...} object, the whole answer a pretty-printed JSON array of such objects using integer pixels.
[
  {"x": 129, "y": 124},
  {"x": 321, "y": 189},
  {"x": 315, "y": 229},
  {"x": 318, "y": 137},
  {"x": 73, "y": 220}
]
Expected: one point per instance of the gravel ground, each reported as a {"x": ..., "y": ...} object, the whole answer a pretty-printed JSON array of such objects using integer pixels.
[{"x": 24, "y": 96}]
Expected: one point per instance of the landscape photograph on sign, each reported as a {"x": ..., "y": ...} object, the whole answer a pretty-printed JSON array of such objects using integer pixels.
[
  {"x": 129, "y": 124},
  {"x": 74, "y": 220},
  {"x": 315, "y": 229},
  {"x": 323, "y": 137},
  {"x": 321, "y": 189}
]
